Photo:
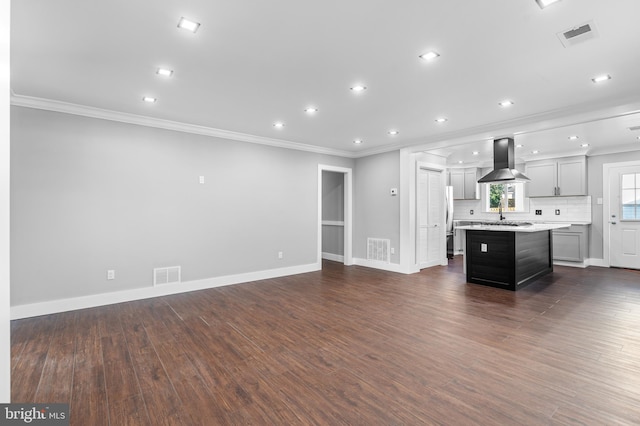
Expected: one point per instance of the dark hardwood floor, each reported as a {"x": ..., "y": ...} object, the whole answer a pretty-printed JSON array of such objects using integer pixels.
[{"x": 347, "y": 346}]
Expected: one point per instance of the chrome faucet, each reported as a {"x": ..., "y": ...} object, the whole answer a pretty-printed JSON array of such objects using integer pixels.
[{"x": 500, "y": 211}]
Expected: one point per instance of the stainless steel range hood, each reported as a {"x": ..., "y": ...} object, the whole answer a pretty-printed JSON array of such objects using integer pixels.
[{"x": 504, "y": 164}]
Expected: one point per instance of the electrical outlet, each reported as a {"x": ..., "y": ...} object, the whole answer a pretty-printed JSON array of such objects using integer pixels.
[
  {"x": 393, "y": 250},
  {"x": 201, "y": 179},
  {"x": 280, "y": 255},
  {"x": 538, "y": 212},
  {"x": 470, "y": 211},
  {"x": 111, "y": 274},
  {"x": 557, "y": 212}
]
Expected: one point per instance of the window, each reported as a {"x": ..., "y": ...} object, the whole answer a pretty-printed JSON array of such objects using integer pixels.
[
  {"x": 511, "y": 195},
  {"x": 630, "y": 196}
]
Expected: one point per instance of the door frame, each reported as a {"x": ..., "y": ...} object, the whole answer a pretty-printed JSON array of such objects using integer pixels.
[
  {"x": 348, "y": 211},
  {"x": 606, "y": 211},
  {"x": 420, "y": 165}
]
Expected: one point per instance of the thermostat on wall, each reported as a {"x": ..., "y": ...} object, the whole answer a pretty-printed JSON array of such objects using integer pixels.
[{"x": 394, "y": 191}]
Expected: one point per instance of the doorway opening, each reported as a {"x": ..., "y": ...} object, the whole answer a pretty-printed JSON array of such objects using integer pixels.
[{"x": 335, "y": 214}]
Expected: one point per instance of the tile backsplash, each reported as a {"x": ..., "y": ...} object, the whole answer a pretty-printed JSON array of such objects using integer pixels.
[{"x": 571, "y": 209}]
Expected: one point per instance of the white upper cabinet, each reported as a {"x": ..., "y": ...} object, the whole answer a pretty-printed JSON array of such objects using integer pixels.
[
  {"x": 465, "y": 183},
  {"x": 557, "y": 177}
]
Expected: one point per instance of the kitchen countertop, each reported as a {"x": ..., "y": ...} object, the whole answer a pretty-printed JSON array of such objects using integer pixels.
[{"x": 522, "y": 227}]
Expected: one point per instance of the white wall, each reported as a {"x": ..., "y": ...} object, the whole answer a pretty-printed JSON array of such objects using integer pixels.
[
  {"x": 90, "y": 195},
  {"x": 5, "y": 339}
]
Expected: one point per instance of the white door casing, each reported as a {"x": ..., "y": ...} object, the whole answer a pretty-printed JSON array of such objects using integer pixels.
[
  {"x": 622, "y": 226},
  {"x": 348, "y": 212},
  {"x": 431, "y": 218}
]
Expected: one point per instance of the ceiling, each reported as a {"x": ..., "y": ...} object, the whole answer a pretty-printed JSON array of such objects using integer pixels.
[{"x": 253, "y": 63}]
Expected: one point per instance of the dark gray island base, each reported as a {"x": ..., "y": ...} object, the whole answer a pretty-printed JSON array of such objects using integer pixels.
[{"x": 509, "y": 260}]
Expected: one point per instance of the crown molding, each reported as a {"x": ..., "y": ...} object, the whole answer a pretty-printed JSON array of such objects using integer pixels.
[{"x": 140, "y": 120}]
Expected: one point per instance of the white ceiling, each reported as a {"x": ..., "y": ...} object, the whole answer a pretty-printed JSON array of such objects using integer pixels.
[{"x": 255, "y": 62}]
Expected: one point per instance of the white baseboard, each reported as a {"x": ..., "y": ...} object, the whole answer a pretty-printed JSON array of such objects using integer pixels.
[
  {"x": 597, "y": 262},
  {"x": 392, "y": 267},
  {"x": 75, "y": 303},
  {"x": 333, "y": 257},
  {"x": 571, "y": 264}
]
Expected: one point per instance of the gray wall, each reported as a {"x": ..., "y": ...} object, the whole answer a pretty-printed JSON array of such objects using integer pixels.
[
  {"x": 596, "y": 189},
  {"x": 333, "y": 209},
  {"x": 376, "y": 212},
  {"x": 89, "y": 195}
]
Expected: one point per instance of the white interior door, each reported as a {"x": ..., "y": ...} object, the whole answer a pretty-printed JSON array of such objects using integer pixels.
[
  {"x": 624, "y": 216},
  {"x": 431, "y": 218}
]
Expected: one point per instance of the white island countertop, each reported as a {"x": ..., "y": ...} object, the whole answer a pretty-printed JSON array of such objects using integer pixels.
[{"x": 508, "y": 226}]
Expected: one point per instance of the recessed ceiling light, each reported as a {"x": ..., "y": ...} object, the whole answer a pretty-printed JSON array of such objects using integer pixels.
[
  {"x": 393, "y": 132},
  {"x": 429, "y": 56},
  {"x": 573, "y": 138},
  {"x": 506, "y": 103},
  {"x": 188, "y": 25},
  {"x": 358, "y": 141},
  {"x": 149, "y": 99},
  {"x": 359, "y": 88},
  {"x": 545, "y": 3},
  {"x": 441, "y": 120},
  {"x": 278, "y": 125},
  {"x": 476, "y": 153},
  {"x": 535, "y": 151},
  {"x": 165, "y": 72},
  {"x": 601, "y": 78},
  {"x": 584, "y": 145},
  {"x": 460, "y": 162},
  {"x": 311, "y": 110}
]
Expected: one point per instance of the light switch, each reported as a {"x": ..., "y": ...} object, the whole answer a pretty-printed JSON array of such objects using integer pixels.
[{"x": 201, "y": 179}]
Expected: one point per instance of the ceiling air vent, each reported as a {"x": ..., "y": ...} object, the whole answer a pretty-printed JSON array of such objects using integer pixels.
[
  {"x": 634, "y": 128},
  {"x": 578, "y": 34}
]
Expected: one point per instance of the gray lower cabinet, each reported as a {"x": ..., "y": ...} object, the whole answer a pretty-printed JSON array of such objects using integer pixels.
[{"x": 571, "y": 244}]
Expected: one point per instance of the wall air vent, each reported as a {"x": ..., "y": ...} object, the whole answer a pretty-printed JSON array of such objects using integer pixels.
[
  {"x": 578, "y": 34},
  {"x": 169, "y": 275},
  {"x": 378, "y": 249}
]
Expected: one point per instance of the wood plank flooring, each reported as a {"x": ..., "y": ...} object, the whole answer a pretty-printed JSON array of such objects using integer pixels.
[{"x": 347, "y": 346}]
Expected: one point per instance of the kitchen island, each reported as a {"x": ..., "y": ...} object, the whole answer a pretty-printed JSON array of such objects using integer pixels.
[{"x": 508, "y": 255}]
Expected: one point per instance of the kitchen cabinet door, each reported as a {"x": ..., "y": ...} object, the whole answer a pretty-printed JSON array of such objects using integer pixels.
[
  {"x": 457, "y": 181},
  {"x": 471, "y": 184},
  {"x": 543, "y": 177},
  {"x": 571, "y": 177},
  {"x": 571, "y": 244}
]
